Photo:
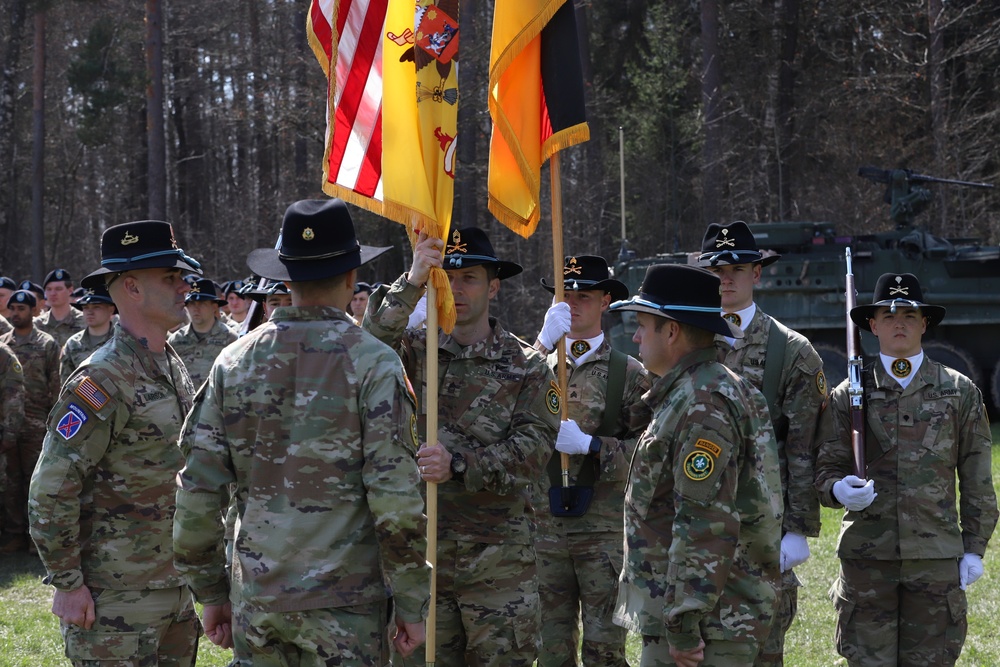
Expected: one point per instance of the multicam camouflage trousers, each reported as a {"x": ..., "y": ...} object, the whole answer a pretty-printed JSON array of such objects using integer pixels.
[
  {"x": 899, "y": 612},
  {"x": 355, "y": 636},
  {"x": 487, "y": 607},
  {"x": 581, "y": 580},
  {"x": 137, "y": 629},
  {"x": 656, "y": 653},
  {"x": 772, "y": 651}
]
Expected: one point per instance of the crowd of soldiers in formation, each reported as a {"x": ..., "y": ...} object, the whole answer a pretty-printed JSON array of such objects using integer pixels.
[{"x": 670, "y": 496}]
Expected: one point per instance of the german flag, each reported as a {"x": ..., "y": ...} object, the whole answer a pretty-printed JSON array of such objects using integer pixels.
[{"x": 536, "y": 100}]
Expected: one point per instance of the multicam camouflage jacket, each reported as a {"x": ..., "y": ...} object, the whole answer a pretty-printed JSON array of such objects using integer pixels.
[
  {"x": 39, "y": 357},
  {"x": 101, "y": 502},
  {"x": 917, "y": 440},
  {"x": 498, "y": 405},
  {"x": 312, "y": 419},
  {"x": 799, "y": 400},
  {"x": 79, "y": 346},
  {"x": 586, "y": 395},
  {"x": 702, "y": 511},
  {"x": 199, "y": 350},
  {"x": 11, "y": 396},
  {"x": 61, "y": 330}
]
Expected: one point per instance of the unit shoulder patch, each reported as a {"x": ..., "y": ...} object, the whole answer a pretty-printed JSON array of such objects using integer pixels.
[{"x": 71, "y": 422}]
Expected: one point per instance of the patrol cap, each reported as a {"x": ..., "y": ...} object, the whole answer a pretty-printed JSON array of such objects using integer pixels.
[
  {"x": 901, "y": 290},
  {"x": 204, "y": 290},
  {"x": 22, "y": 296},
  {"x": 145, "y": 244},
  {"x": 56, "y": 275},
  {"x": 469, "y": 246},
  {"x": 96, "y": 294},
  {"x": 682, "y": 293},
  {"x": 7, "y": 283},
  {"x": 731, "y": 244},
  {"x": 317, "y": 242},
  {"x": 29, "y": 286},
  {"x": 586, "y": 273}
]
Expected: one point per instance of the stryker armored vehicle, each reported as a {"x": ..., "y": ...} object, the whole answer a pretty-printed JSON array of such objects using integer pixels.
[{"x": 805, "y": 289}]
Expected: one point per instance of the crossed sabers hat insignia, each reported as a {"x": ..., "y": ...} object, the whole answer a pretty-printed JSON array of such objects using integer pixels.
[
  {"x": 893, "y": 291},
  {"x": 572, "y": 268},
  {"x": 724, "y": 241},
  {"x": 456, "y": 244}
]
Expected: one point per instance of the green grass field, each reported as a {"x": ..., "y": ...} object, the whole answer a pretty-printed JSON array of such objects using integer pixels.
[{"x": 29, "y": 634}]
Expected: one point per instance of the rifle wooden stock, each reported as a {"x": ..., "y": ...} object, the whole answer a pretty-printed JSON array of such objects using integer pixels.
[{"x": 855, "y": 362}]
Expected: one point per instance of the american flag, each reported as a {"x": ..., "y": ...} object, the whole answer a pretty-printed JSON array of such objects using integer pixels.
[{"x": 91, "y": 393}]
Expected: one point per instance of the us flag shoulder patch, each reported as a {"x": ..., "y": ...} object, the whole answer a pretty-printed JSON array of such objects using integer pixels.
[{"x": 91, "y": 394}]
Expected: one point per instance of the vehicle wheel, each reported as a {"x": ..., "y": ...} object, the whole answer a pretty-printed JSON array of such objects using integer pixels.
[
  {"x": 953, "y": 357},
  {"x": 995, "y": 392},
  {"x": 834, "y": 364}
]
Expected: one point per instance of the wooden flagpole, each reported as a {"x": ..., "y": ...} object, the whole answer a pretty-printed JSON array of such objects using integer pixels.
[
  {"x": 431, "y": 377},
  {"x": 557, "y": 254}
]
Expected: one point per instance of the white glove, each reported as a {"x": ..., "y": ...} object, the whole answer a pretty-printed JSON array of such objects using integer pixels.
[
  {"x": 970, "y": 568},
  {"x": 557, "y": 323},
  {"x": 854, "y": 493},
  {"x": 794, "y": 551},
  {"x": 571, "y": 440},
  {"x": 419, "y": 314}
]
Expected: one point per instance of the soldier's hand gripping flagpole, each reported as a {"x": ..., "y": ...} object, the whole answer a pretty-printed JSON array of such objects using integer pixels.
[{"x": 855, "y": 362}]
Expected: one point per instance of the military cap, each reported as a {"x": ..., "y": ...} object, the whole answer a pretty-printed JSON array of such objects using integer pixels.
[
  {"x": 95, "y": 294},
  {"x": 146, "y": 244},
  {"x": 22, "y": 296},
  {"x": 233, "y": 286},
  {"x": 897, "y": 289},
  {"x": 7, "y": 283},
  {"x": 192, "y": 279},
  {"x": 29, "y": 286},
  {"x": 363, "y": 287},
  {"x": 469, "y": 246},
  {"x": 317, "y": 242},
  {"x": 204, "y": 290},
  {"x": 682, "y": 293},
  {"x": 78, "y": 292},
  {"x": 586, "y": 273},
  {"x": 57, "y": 275},
  {"x": 731, "y": 244}
]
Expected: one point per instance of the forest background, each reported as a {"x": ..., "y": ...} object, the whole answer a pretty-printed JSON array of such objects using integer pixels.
[{"x": 753, "y": 110}]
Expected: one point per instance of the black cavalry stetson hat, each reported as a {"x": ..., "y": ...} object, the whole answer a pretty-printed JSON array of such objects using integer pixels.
[
  {"x": 146, "y": 244},
  {"x": 687, "y": 294},
  {"x": 731, "y": 244},
  {"x": 95, "y": 294},
  {"x": 317, "y": 242},
  {"x": 899, "y": 290},
  {"x": 585, "y": 273},
  {"x": 469, "y": 246},
  {"x": 204, "y": 290},
  {"x": 57, "y": 275}
]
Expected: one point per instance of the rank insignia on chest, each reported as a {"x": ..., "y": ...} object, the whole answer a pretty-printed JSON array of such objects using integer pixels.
[
  {"x": 698, "y": 466},
  {"x": 552, "y": 398},
  {"x": 901, "y": 367},
  {"x": 91, "y": 394},
  {"x": 72, "y": 421}
]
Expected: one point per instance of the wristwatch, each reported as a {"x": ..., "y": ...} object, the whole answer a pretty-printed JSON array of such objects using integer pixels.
[{"x": 458, "y": 464}]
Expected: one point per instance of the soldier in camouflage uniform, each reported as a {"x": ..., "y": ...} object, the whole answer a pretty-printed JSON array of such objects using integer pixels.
[
  {"x": 795, "y": 401},
  {"x": 312, "y": 419},
  {"x": 580, "y": 557},
  {"x": 909, "y": 546},
  {"x": 38, "y": 293},
  {"x": 238, "y": 304},
  {"x": 102, "y": 496},
  {"x": 201, "y": 340},
  {"x": 702, "y": 503},
  {"x": 11, "y": 409},
  {"x": 7, "y": 287},
  {"x": 61, "y": 320},
  {"x": 498, "y": 407},
  {"x": 38, "y": 355},
  {"x": 98, "y": 313}
]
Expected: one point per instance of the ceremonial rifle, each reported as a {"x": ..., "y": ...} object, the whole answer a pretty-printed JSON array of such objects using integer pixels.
[{"x": 855, "y": 390}]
